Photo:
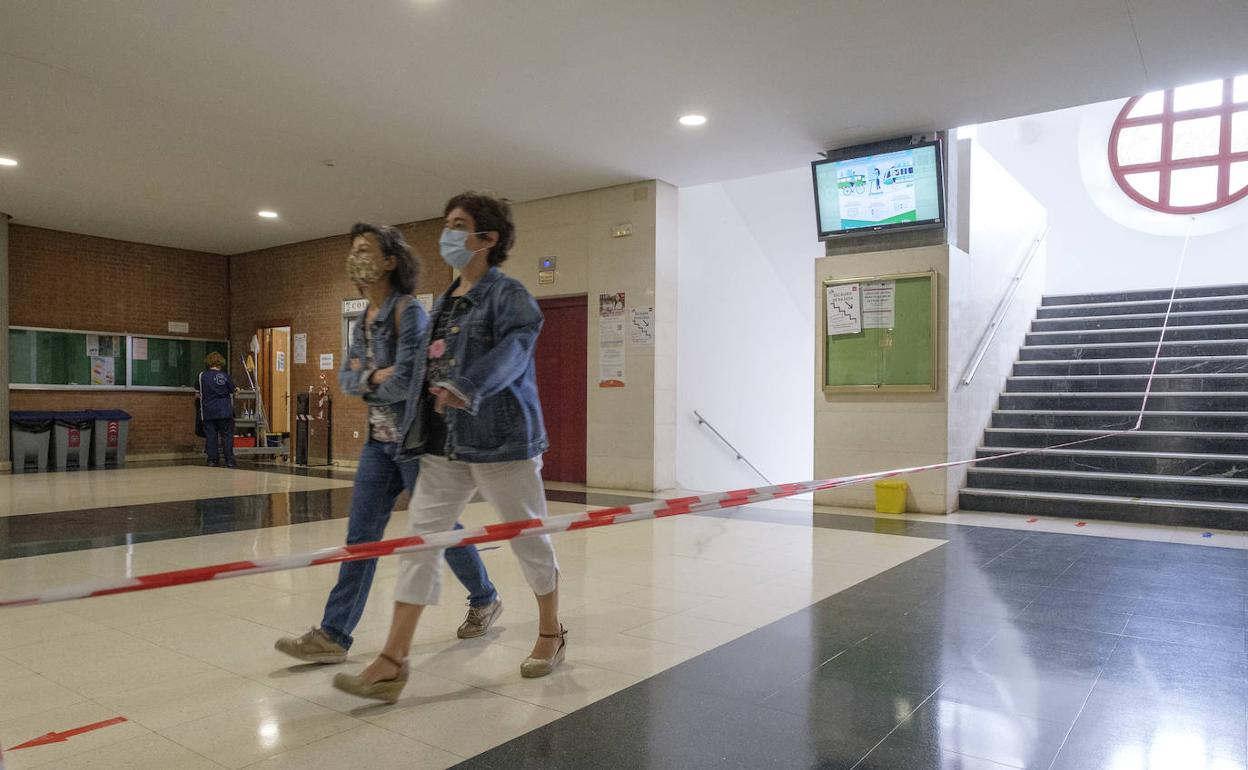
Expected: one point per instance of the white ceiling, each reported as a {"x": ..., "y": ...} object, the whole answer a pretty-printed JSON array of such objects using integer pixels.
[{"x": 174, "y": 121}]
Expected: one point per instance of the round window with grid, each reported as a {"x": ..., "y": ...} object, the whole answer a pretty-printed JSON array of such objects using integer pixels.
[{"x": 1185, "y": 150}]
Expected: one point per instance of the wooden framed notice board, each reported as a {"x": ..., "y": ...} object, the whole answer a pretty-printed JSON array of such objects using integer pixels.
[
  {"x": 64, "y": 359},
  {"x": 881, "y": 333}
]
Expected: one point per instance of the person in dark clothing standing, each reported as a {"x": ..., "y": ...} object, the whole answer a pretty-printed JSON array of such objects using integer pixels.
[{"x": 216, "y": 404}]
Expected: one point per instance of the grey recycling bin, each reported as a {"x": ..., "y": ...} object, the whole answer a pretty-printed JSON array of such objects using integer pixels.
[
  {"x": 71, "y": 440},
  {"x": 108, "y": 437},
  {"x": 29, "y": 434}
]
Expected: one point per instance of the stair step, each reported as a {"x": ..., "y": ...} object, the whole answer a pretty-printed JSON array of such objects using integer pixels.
[
  {"x": 1225, "y": 401},
  {"x": 1139, "y": 295},
  {"x": 1158, "y": 511},
  {"x": 1102, "y": 461},
  {"x": 1139, "y": 320},
  {"x": 1194, "y": 304},
  {"x": 1128, "y": 383},
  {"x": 1121, "y": 350},
  {"x": 1208, "y": 442},
  {"x": 1204, "y": 488},
  {"x": 1146, "y": 334},
  {"x": 1121, "y": 420},
  {"x": 1140, "y": 365}
]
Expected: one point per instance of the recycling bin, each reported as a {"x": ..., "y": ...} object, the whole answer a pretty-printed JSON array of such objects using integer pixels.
[
  {"x": 108, "y": 437},
  {"x": 71, "y": 440},
  {"x": 29, "y": 437}
]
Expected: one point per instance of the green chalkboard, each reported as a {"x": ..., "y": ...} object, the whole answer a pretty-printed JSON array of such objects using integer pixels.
[
  {"x": 884, "y": 334},
  {"x": 161, "y": 362},
  {"x": 62, "y": 358}
]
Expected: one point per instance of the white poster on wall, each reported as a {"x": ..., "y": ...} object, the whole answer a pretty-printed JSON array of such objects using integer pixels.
[
  {"x": 301, "y": 348},
  {"x": 102, "y": 371},
  {"x": 138, "y": 349},
  {"x": 879, "y": 304},
  {"x": 844, "y": 309},
  {"x": 611, "y": 340},
  {"x": 93, "y": 345},
  {"x": 327, "y": 361},
  {"x": 279, "y": 360},
  {"x": 641, "y": 326},
  {"x": 426, "y": 301}
]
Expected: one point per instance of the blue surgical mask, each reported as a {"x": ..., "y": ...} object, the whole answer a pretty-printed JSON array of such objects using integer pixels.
[{"x": 453, "y": 248}]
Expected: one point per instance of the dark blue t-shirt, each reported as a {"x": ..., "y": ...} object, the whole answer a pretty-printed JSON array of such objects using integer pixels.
[{"x": 215, "y": 388}]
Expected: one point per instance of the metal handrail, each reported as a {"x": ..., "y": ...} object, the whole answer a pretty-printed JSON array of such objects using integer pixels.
[
  {"x": 1004, "y": 307},
  {"x": 703, "y": 421}
]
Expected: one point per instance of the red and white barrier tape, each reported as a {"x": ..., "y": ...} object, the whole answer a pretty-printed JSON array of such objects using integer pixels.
[
  {"x": 555, "y": 524},
  {"x": 492, "y": 532}
]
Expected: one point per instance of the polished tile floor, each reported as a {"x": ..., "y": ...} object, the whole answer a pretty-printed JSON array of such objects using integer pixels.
[{"x": 764, "y": 637}]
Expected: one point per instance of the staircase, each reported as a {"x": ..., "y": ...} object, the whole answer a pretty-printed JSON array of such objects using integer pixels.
[{"x": 1083, "y": 371}]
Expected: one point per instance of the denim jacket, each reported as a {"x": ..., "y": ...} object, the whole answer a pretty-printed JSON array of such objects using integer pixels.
[
  {"x": 492, "y": 370},
  {"x": 404, "y": 351}
]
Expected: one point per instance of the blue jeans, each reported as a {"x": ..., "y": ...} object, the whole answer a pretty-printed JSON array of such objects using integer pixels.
[{"x": 379, "y": 481}]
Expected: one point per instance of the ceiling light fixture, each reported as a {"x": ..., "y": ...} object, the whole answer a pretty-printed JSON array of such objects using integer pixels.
[
  {"x": 7, "y": 162},
  {"x": 692, "y": 120},
  {"x": 267, "y": 214}
]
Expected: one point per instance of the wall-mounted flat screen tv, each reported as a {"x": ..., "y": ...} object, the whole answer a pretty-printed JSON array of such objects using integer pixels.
[{"x": 894, "y": 189}]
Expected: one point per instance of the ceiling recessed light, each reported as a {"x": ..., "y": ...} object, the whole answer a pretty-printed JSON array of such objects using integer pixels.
[
  {"x": 267, "y": 214},
  {"x": 692, "y": 120},
  {"x": 7, "y": 162}
]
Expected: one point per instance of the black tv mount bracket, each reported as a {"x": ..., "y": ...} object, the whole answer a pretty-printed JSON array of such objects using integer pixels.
[{"x": 915, "y": 139}]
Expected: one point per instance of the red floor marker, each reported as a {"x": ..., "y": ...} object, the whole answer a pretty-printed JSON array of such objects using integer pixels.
[
  {"x": 44, "y": 740},
  {"x": 1032, "y": 521},
  {"x": 1081, "y": 523}
]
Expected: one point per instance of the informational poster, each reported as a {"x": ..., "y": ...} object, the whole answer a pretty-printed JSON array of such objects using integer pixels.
[
  {"x": 611, "y": 340},
  {"x": 426, "y": 301},
  {"x": 327, "y": 361},
  {"x": 179, "y": 327},
  {"x": 138, "y": 349},
  {"x": 279, "y": 360},
  {"x": 301, "y": 348},
  {"x": 844, "y": 309},
  {"x": 93, "y": 345},
  {"x": 641, "y": 326},
  {"x": 879, "y": 304},
  {"x": 102, "y": 371}
]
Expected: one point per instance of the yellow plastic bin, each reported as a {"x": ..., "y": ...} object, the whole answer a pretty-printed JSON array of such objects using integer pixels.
[{"x": 890, "y": 496}]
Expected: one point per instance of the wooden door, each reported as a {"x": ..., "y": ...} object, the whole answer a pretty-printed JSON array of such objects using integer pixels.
[
  {"x": 279, "y": 377},
  {"x": 561, "y": 383}
]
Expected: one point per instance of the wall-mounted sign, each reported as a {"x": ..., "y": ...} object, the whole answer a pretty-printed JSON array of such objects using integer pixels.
[
  {"x": 354, "y": 306},
  {"x": 179, "y": 327},
  {"x": 327, "y": 361}
]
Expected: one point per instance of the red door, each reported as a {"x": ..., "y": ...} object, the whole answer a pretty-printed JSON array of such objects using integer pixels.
[{"x": 561, "y": 383}]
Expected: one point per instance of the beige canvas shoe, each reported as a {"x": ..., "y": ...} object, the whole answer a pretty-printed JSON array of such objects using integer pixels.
[
  {"x": 315, "y": 647},
  {"x": 479, "y": 620}
]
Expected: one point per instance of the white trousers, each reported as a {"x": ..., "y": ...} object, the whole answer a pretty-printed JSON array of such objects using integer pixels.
[{"x": 443, "y": 488}]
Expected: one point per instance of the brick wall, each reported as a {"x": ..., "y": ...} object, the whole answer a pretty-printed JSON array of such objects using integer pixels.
[
  {"x": 64, "y": 280},
  {"x": 302, "y": 285}
]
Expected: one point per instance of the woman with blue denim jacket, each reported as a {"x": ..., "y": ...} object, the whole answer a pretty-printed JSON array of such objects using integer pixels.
[
  {"x": 378, "y": 368},
  {"x": 477, "y": 423}
]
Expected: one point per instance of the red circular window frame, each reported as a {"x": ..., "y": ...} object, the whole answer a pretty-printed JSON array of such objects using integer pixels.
[{"x": 1165, "y": 165}]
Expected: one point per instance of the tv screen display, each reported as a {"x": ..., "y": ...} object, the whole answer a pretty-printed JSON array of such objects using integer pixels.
[{"x": 892, "y": 190}]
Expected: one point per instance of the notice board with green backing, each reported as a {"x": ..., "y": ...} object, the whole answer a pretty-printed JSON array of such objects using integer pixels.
[
  {"x": 54, "y": 358},
  {"x": 61, "y": 359},
  {"x": 883, "y": 334},
  {"x": 169, "y": 362}
]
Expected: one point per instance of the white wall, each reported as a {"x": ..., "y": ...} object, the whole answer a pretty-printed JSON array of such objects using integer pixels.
[
  {"x": 1101, "y": 240},
  {"x": 746, "y": 312},
  {"x": 1003, "y": 222}
]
